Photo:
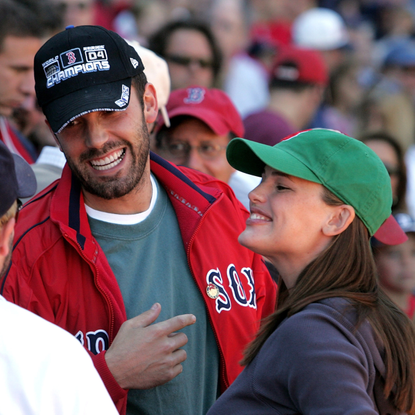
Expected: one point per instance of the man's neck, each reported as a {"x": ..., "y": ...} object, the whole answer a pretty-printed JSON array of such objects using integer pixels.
[{"x": 137, "y": 201}]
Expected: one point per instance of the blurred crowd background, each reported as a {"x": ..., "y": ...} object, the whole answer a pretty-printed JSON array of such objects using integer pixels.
[{"x": 366, "y": 89}]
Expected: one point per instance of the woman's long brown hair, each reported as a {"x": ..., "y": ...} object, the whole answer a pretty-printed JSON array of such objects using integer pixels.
[{"x": 347, "y": 269}]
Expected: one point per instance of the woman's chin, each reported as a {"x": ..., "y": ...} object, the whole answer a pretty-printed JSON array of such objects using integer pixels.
[{"x": 248, "y": 240}]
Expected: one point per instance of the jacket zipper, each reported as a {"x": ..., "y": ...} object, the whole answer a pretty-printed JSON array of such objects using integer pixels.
[
  {"x": 98, "y": 286},
  {"x": 222, "y": 358}
]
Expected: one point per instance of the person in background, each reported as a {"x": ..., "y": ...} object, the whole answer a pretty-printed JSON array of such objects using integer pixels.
[
  {"x": 389, "y": 100},
  {"x": 21, "y": 35},
  {"x": 389, "y": 150},
  {"x": 77, "y": 12},
  {"x": 344, "y": 98},
  {"x": 203, "y": 121},
  {"x": 43, "y": 369},
  {"x": 191, "y": 51},
  {"x": 243, "y": 78},
  {"x": 336, "y": 343},
  {"x": 297, "y": 84},
  {"x": 125, "y": 238},
  {"x": 396, "y": 267},
  {"x": 28, "y": 117},
  {"x": 322, "y": 29}
]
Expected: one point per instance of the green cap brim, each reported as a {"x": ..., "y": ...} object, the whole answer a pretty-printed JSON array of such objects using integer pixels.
[{"x": 251, "y": 157}]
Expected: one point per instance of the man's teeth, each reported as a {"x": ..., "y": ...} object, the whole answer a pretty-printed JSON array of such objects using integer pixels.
[
  {"x": 108, "y": 162},
  {"x": 258, "y": 216}
]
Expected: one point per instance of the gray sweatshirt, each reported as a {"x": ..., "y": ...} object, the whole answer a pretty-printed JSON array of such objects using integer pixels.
[{"x": 315, "y": 362}]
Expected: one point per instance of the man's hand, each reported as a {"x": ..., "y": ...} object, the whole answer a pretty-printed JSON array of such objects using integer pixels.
[{"x": 144, "y": 355}]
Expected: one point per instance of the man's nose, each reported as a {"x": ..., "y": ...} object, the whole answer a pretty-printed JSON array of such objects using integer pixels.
[
  {"x": 194, "y": 160},
  {"x": 96, "y": 133}
]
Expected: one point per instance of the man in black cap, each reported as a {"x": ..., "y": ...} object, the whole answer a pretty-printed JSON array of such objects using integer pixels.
[
  {"x": 34, "y": 379},
  {"x": 126, "y": 238}
]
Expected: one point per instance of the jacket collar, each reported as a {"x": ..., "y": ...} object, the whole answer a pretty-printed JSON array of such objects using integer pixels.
[{"x": 190, "y": 199}]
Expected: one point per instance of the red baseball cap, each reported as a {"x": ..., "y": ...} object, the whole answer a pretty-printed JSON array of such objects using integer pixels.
[
  {"x": 298, "y": 65},
  {"x": 390, "y": 232},
  {"x": 212, "y": 106}
]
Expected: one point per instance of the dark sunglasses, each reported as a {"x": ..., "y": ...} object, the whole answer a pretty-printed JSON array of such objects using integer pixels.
[{"x": 187, "y": 61}]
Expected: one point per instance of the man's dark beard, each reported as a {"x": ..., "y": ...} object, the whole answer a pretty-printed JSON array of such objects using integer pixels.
[{"x": 112, "y": 187}]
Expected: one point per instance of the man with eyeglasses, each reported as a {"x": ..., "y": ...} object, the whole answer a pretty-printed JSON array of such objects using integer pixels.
[
  {"x": 203, "y": 121},
  {"x": 43, "y": 369}
]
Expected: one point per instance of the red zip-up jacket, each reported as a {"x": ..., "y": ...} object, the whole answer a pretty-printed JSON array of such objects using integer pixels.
[{"x": 60, "y": 272}]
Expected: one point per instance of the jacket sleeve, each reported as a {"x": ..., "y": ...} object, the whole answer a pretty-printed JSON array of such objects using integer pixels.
[
  {"x": 266, "y": 288},
  {"x": 118, "y": 395}
]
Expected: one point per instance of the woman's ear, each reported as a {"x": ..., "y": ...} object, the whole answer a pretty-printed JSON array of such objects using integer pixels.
[
  {"x": 150, "y": 104},
  {"x": 338, "y": 222}
]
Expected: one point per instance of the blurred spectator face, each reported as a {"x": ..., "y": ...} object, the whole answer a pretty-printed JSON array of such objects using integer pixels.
[
  {"x": 407, "y": 79},
  {"x": 390, "y": 159},
  {"x": 228, "y": 25},
  {"x": 16, "y": 72},
  {"x": 347, "y": 93},
  {"x": 190, "y": 59},
  {"x": 396, "y": 265},
  {"x": 193, "y": 144},
  {"x": 77, "y": 12},
  {"x": 30, "y": 121}
]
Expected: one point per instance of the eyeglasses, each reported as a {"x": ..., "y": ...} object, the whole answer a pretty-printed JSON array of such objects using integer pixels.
[
  {"x": 187, "y": 61},
  {"x": 182, "y": 149}
]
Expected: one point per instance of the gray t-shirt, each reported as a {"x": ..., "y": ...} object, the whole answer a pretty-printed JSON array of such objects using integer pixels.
[{"x": 150, "y": 264}]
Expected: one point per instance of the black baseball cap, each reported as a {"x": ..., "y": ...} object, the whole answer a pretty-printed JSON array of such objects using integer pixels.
[
  {"x": 17, "y": 179},
  {"x": 84, "y": 69}
]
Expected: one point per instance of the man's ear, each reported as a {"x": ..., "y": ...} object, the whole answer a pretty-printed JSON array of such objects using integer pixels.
[
  {"x": 338, "y": 222},
  {"x": 150, "y": 104},
  {"x": 6, "y": 232}
]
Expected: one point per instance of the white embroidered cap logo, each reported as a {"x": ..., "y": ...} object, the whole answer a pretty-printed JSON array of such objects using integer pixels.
[
  {"x": 73, "y": 62},
  {"x": 134, "y": 62},
  {"x": 125, "y": 95}
]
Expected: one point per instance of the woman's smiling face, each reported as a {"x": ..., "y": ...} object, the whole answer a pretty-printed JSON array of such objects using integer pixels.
[{"x": 287, "y": 217}]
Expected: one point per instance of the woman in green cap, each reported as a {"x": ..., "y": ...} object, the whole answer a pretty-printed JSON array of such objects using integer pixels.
[{"x": 335, "y": 344}]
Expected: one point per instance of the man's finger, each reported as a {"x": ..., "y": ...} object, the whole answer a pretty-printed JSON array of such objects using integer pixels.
[
  {"x": 148, "y": 317},
  {"x": 176, "y": 323}
]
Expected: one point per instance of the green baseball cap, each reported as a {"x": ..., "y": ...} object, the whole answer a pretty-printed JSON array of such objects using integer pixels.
[{"x": 342, "y": 164}]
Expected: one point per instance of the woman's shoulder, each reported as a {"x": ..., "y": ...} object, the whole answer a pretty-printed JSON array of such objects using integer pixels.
[{"x": 335, "y": 315}]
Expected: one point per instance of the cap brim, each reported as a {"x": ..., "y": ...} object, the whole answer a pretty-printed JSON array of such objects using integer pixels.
[
  {"x": 390, "y": 233},
  {"x": 210, "y": 118},
  {"x": 111, "y": 96},
  {"x": 165, "y": 116},
  {"x": 251, "y": 157},
  {"x": 26, "y": 179}
]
